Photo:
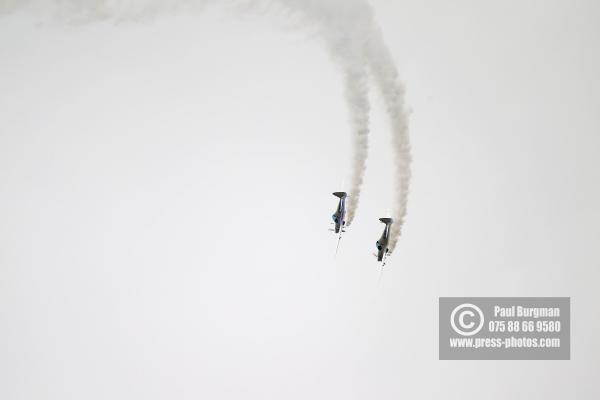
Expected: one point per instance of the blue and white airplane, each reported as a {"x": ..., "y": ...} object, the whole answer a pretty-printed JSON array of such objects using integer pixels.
[
  {"x": 339, "y": 217},
  {"x": 382, "y": 244}
]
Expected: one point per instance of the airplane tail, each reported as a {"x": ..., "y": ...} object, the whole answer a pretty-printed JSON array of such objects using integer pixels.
[
  {"x": 341, "y": 195},
  {"x": 386, "y": 220}
]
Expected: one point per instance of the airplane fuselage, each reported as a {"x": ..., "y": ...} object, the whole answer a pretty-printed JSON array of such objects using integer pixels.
[
  {"x": 382, "y": 243},
  {"x": 339, "y": 217}
]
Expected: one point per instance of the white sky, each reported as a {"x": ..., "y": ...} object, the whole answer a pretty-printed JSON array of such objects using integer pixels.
[{"x": 165, "y": 198}]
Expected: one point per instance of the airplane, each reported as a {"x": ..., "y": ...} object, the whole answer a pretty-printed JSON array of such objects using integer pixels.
[
  {"x": 382, "y": 244},
  {"x": 339, "y": 217}
]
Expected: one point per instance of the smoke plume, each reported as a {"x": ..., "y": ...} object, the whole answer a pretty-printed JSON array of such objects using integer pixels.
[
  {"x": 386, "y": 78},
  {"x": 350, "y": 34}
]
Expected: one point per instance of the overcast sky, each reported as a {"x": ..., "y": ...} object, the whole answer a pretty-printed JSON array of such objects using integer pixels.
[{"x": 165, "y": 195}]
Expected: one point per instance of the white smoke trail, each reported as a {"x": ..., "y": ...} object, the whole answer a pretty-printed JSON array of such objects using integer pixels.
[
  {"x": 341, "y": 25},
  {"x": 347, "y": 41},
  {"x": 357, "y": 92},
  {"x": 351, "y": 35},
  {"x": 386, "y": 78},
  {"x": 355, "y": 40}
]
